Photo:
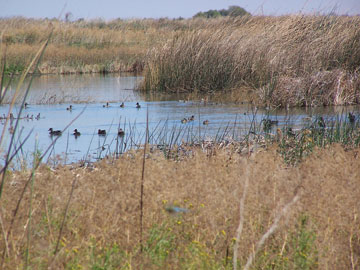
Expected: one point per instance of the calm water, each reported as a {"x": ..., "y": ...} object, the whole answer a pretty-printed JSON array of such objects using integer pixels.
[{"x": 51, "y": 95}]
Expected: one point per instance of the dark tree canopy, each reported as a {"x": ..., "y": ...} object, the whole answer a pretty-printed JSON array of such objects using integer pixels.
[{"x": 232, "y": 11}]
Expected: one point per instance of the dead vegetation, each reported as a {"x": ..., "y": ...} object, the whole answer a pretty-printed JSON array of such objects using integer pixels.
[
  {"x": 321, "y": 231},
  {"x": 294, "y": 60},
  {"x": 85, "y": 46}
]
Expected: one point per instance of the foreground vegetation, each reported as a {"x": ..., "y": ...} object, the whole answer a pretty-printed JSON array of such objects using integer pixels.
[
  {"x": 102, "y": 209},
  {"x": 293, "y": 60}
]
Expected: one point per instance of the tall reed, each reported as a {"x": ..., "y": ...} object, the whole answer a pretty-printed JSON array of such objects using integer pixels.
[{"x": 293, "y": 60}]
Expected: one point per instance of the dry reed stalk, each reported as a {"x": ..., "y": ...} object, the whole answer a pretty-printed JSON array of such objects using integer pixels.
[
  {"x": 271, "y": 230},
  {"x": 241, "y": 219},
  {"x": 36, "y": 166},
  {"x": 63, "y": 220},
  {"x": 142, "y": 182},
  {"x": 34, "y": 63},
  {"x": 27, "y": 249},
  {"x": 3, "y": 231}
]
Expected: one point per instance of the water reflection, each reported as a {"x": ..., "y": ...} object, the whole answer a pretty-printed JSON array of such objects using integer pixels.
[
  {"x": 89, "y": 88},
  {"x": 51, "y": 96}
]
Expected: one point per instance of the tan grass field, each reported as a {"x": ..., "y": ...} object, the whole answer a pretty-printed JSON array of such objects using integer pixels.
[
  {"x": 320, "y": 231},
  {"x": 85, "y": 46}
]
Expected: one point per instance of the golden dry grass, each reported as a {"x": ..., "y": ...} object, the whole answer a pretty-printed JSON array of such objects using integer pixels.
[
  {"x": 105, "y": 208},
  {"x": 293, "y": 60},
  {"x": 86, "y": 46}
]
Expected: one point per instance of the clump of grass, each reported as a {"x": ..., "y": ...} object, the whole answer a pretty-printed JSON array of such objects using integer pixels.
[
  {"x": 294, "y": 146},
  {"x": 293, "y": 60}
]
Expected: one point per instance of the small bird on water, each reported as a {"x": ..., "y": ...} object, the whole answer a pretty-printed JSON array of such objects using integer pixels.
[
  {"x": 122, "y": 105},
  {"x": 138, "y": 105},
  {"x": 76, "y": 133},
  {"x": 121, "y": 132},
  {"x": 54, "y": 132},
  {"x": 351, "y": 117},
  {"x": 102, "y": 132}
]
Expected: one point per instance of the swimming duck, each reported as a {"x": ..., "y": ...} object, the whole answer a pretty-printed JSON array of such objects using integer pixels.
[
  {"x": 321, "y": 122},
  {"x": 102, "y": 132},
  {"x": 121, "y": 132},
  {"x": 76, "y": 133},
  {"x": 106, "y": 105},
  {"x": 26, "y": 105},
  {"x": 184, "y": 121},
  {"x": 191, "y": 118},
  {"x": 138, "y": 105},
  {"x": 54, "y": 132},
  {"x": 37, "y": 116},
  {"x": 122, "y": 105},
  {"x": 290, "y": 132},
  {"x": 69, "y": 108},
  {"x": 206, "y": 122},
  {"x": 351, "y": 117},
  {"x": 268, "y": 123}
]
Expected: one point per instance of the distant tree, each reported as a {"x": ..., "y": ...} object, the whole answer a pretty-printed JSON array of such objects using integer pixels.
[
  {"x": 232, "y": 11},
  {"x": 212, "y": 13},
  {"x": 199, "y": 15},
  {"x": 235, "y": 11},
  {"x": 224, "y": 12}
]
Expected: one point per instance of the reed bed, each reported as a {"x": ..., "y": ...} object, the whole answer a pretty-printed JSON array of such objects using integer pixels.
[{"x": 295, "y": 60}]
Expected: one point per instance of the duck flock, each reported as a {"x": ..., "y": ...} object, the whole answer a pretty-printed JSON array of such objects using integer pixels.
[
  {"x": 121, "y": 132},
  {"x": 101, "y": 132}
]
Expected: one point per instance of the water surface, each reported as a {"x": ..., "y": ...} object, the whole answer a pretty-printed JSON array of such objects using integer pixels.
[{"x": 50, "y": 96}]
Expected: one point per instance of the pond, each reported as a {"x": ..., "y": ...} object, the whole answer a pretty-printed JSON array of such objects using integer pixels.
[{"x": 50, "y": 98}]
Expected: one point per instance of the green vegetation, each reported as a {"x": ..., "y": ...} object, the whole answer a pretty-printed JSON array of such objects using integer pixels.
[
  {"x": 232, "y": 11},
  {"x": 295, "y": 146}
]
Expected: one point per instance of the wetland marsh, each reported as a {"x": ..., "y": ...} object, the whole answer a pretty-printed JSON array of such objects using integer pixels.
[{"x": 244, "y": 165}]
